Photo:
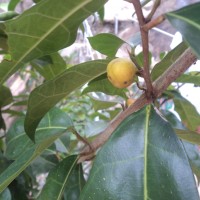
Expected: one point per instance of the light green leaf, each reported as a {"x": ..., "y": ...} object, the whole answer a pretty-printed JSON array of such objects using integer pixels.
[
  {"x": 192, "y": 77},
  {"x": 190, "y": 136},
  {"x": 102, "y": 84},
  {"x": 101, "y": 105},
  {"x": 66, "y": 178},
  {"x": 51, "y": 27},
  {"x": 187, "y": 112},
  {"x": 54, "y": 124},
  {"x": 143, "y": 159},
  {"x": 106, "y": 43},
  {"x": 43, "y": 98},
  {"x": 169, "y": 59},
  {"x": 187, "y": 21},
  {"x": 49, "y": 66},
  {"x": 12, "y": 4}
]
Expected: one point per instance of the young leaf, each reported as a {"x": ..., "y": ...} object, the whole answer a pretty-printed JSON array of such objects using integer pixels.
[
  {"x": 54, "y": 124},
  {"x": 66, "y": 178},
  {"x": 52, "y": 26},
  {"x": 187, "y": 21},
  {"x": 143, "y": 159},
  {"x": 44, "y": 97},
  {"x": 106, "y": 43},
  {"x": 169, "y": 59}
]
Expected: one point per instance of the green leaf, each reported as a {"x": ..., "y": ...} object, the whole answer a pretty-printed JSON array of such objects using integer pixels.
[
  {"x": 101, "y": 105},
  {"x": 66, "y": 177},
  {"x": 102, "y": 84},
  {"x": 49, "y": 66},
  {"x": 192, "y": 77},
  {"x": 143, "y": 159},
  {"x": 187, "y": 21},
  {"x": 3, "y": 39},
  {"x": 55, "y": 121},
  {"x": 193, "y": 153},
  {"x": 6, "y": 96},
  {"x": 169, "y": 59},
  {"x": 12, "y": 4},
  {"x": 43, "y": 164},
  {"x": 187, "y": 112},
  {"x": 189, "y": 136},
  {"x": 52, "y": 26},
  {"x": 54, "y": 124},
  {"x": 101, "y": 13},
  {"x": 43, "y": 98},
  {"x": 8, "y": 15},
  {"x": 106, "y": 43},
  {"x": 5, "y": 195}
]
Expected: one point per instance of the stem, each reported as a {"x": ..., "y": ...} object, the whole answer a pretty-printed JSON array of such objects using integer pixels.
[
  {"x": 145, "y": 46},
  {"x": 155, "y": 6},
  {"x": 154, "y": 23}
]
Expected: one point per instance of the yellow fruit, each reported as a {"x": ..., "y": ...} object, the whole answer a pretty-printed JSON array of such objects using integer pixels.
[
  {"x": 121, "y": 72},
  {"x": 130, "y": 101}
]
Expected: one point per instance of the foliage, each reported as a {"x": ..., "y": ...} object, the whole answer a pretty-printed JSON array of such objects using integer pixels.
[{"x": 150, "y": 155}]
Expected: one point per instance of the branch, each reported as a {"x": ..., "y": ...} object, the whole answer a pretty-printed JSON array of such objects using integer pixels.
[
  {"x": 153, "y": 23},
  {"x": 160, "y": 85},
  {"x": 155, "y": 6},
  {"x": 145, "y": 46}
]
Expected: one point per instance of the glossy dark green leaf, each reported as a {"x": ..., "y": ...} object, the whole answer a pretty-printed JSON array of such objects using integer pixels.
[
  {"x": 49, "y": 66},
  {"x": 106, "y": 43},
  {"x": 5, "y": 96},
  {"x": 169, "y": 59},
  {"x": 192, "y": 77},
  {"x": 66, "y": 178},
  {"x": 52, "y": 26},
  {"x": 187, "y": 112},
  {"x": 43, "y": 98},
  {"x": 187, "y": 21},
  {"x": 102, "y": 84},
  {"x": 143, "y": 159},
  {"x": 54, "y": 124}
]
